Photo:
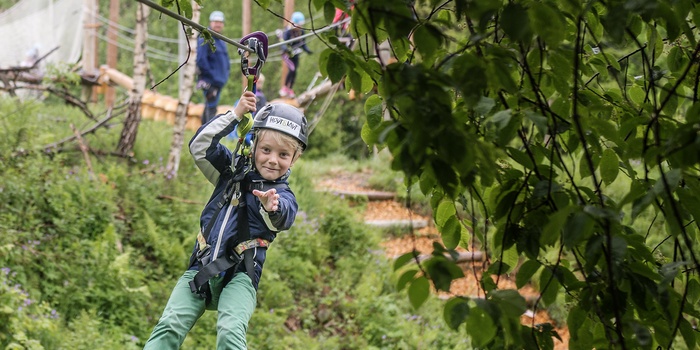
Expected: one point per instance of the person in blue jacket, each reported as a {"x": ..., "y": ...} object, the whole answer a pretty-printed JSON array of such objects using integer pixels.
[
  {"x": 291, "y": 52},
  {"x": 279, "y": 138},
  {"x": 213, "y": 67}
]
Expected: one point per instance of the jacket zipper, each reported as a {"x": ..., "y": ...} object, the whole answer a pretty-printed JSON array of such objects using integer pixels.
[{"x": 221, "y": 231}]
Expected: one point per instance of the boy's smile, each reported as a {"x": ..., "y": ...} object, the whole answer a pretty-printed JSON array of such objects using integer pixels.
[{"x": 272, "y": 159}]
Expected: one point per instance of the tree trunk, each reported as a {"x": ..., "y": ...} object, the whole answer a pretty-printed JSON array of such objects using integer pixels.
[
  {"x": 133, "y": 116},
  {"x": 183, "y": 101}
]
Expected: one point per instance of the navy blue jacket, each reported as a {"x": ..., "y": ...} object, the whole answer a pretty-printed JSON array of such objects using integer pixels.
[
  {"x": 295, "y": 47},
  {"x": 214, "y": 160},
  {"x": 214, "y": 66}
]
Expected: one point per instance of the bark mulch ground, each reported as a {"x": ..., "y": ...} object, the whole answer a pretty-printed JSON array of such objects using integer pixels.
[{"x": 422, "y": 241}]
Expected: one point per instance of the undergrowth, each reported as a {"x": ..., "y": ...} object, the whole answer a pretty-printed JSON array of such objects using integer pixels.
[{"x": 89, "y": 255}]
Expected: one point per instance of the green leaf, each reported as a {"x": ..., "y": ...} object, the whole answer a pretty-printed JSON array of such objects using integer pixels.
[
  {"x": 525, "y": 273},
  {"x": 484, "y": 106},
  {"x": 427, "y": 39},
  {"x": 336, "y": 67},
  {"x": 672, "y": 177},
  {"x": 510, "y": 301},
  {"x": 405, "y": 278},
  {"x": 578, "y": 228},
  {"x": 575, "y": 320},
  {"x": 446, "y": 210},
  {"x": 552, "y": 230},
  {"x": 456, "y": 312},
  {"x": 480, "y": 327},
  {"x": 637, "y": 94},
  {"x": 549, "y": 287},
  {"x": 418, "y": 291},
  {"x": 539, "y": 120},
  {"x": 693, "y": 113},
  {"x": 672, "y": 27},
  {"x": 584, "y": 167},
  {"x": 688, "y": 332},
  {"x": 521, "y": 157},
  {"x": 369, "y": 136},
  {"x": 373, "y": 111},
  {"x": 442, "y": 272},
  {"x": 451, "y": 232},
  {"x": 690, "y": 201},
  {"x": 186, "y": 8},
  {"x": 403, "y": 260},
  {"x": 676, "y": 59},
  {"x": 427, "y": 180},
  {"x": 547, "y": 22},
  {"x": 515, "y": 22},
  {"x": 505, "y": 204},
  {"x": 609, "y": 166},
  {"x": 469, "y": 73},
  {"x": 644, "y": 270},
  {"x": 328, "y": 11}
]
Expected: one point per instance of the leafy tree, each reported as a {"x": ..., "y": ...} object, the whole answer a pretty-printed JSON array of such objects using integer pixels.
[{"x": 559, "y": 136}]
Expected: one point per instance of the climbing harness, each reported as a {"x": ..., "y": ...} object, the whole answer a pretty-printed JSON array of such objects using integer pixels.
[
  {"x": 239, "y": 251},
  {"x": 234, "y": 194}
]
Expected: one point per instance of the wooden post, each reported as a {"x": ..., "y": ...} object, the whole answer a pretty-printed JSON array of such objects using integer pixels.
[
  {"x": 288, "y": 10},
  {"x": 112, "y": 47},
  {"x": 89, "y": 44}
]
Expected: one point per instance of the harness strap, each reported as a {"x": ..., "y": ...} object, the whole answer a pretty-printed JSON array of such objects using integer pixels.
[
  {"x": 240, "y": 252},
  {"x": 253, "y": 243}
]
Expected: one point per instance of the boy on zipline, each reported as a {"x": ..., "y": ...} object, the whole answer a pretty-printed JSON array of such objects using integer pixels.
[{"x": 250, "y": 204}]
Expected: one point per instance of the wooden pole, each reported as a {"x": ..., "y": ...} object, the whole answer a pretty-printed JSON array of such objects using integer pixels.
[
  {"x": 288, "y": 10},
  {"x": 112, "y": 47},
  {"x": 89, "y": 44}
]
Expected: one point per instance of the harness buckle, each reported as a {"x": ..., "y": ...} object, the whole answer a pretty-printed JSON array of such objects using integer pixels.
[
  {"x": 203, "y": 255},
  {"x": 202, "y": 291}
]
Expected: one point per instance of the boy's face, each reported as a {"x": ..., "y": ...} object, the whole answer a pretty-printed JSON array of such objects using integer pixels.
[{"x": 272, "y": 159}]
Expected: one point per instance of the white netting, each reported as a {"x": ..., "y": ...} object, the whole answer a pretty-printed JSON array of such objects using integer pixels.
[{"x": 35, "y": 27}]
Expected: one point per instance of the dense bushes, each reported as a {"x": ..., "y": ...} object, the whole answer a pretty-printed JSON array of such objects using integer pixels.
[{"x": 89, "y": 258}]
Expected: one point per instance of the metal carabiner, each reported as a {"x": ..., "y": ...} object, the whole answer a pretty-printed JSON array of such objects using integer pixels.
[{"x": 256, "y": 41}]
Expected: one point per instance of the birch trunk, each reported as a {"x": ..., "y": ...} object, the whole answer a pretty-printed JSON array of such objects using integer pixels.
[
  {"x": 133, "y": 116},
  {"x": 183, "y": 101}
]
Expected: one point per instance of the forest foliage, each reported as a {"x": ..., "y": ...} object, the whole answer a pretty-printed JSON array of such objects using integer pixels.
[
  {"x": 560, "y": 137},
  {"x": 89, "y": 254}
]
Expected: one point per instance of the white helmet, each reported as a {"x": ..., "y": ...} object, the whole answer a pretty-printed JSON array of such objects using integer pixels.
[
  {"x": 283, "y": 118},
  {"x": 216, "y": 16}
]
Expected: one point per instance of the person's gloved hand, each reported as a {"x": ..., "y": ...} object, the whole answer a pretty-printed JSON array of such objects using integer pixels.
[
  {"x": 202, "y": 85},
  {"x": 211, "y": 93}
]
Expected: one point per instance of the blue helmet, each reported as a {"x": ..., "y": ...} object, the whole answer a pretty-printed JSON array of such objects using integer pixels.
[{"x": 298, "y": 18}]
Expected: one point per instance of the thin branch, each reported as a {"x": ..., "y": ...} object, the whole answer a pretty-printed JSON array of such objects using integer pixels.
[{"x": 52, "y": 147}]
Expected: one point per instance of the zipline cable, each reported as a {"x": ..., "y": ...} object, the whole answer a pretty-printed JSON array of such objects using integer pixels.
[
  {"x": 200, "y": 28},
  {"x": 133, "y": 32},
  {"x": 312, "y": 33}
]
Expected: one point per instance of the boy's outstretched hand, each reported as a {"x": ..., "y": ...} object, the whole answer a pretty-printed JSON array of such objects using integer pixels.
[
  {"x": 245, "y": 104},
  {"x": 269, "y": 199}
]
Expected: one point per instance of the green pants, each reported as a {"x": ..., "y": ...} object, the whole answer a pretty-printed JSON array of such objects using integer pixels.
[{"x": 235, "y": 304}]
